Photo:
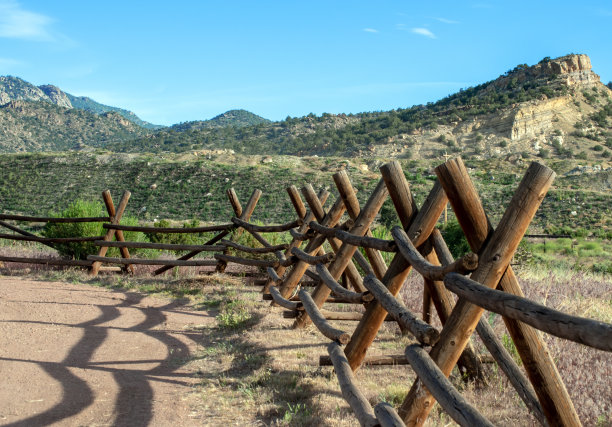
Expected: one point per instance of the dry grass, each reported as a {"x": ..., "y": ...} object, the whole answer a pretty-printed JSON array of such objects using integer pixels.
[{"x": 256, "y": 370}]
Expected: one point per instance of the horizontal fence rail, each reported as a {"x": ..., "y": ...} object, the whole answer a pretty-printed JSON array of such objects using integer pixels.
[{"x": 343, "y": 261}]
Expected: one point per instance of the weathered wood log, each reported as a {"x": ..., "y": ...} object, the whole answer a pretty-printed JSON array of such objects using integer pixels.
[
  {"x": 463, "y": 265},
  {"x": 47, "y": 261},
  {"x": 310, "y": 259},
  {"x": 53, "y": 219},
  {"x": 161, "y": 246},
  {"x": 346, "y": 251},
  {"x": 274, "y": 277},
  {"x": 267, "y": 228},
  {"x": 296, "y": 235},
  {"x": 320, "y": 322},
  {"x": 285, "y": 303},
  {"x": 537, "y": 361},
  {"x": 170, "y": 230},
  {"x": 513, "y": 372},
  {"x": 22, "y": 232},
  {"x": 339, "y": 290},
  {"x": 95, "y": 267},
  {"x": 348, "y": 316},
  {"x": 494, "y": 260},
  {"x": 245, "y": 215},
  {"x": 110, "y": 209},
  {"x": 300, "y": 210},
  {"x": 443, "y": 300},
  {"x": 348, "y": 194},
  {"x": 331, "y": 218},
  {"x": 166, "y": 262},
  {"x": 348, "y": 385},
  {"x": 330, "y": 300},
  {"x": 351, "y": 271},
  {"x": 247, "y": 261},
  {"x": 423, "y": 332},
  {"x": 250, "y": 250},
  {"x": 385, "y": 360},
  {"x": 387, "y": 416},
  {"x": 578, "y": 329},
  {"x": 351, "y": 239},
  {"x": 419, "y": 225},
  {"x": 442, "y": 389},
  {"x": 49, "y": 239},
  {"x": 234, "y": 201}
]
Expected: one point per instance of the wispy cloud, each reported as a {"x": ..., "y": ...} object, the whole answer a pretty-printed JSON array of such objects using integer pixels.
[
  {"x": 370, "y": 30},
  {"x": 423, "y": 32},
  {"x": 18, "y": 23},
  {"x": 446, "y": 21}
]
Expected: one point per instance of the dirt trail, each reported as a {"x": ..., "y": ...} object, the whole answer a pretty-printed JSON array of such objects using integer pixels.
[{"x": 75, "y": 355}]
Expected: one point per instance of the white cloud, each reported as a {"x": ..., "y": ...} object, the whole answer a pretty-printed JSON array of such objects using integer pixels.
[
  {"x": 446, "y": 21},
  {"x": 370, "y": 30},
  {"x": 18, "y": 23},
  {"x": 423, "y": 32}
]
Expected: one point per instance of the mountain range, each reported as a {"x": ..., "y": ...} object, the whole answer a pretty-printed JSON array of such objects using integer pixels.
[{"x": 558, "y": 107}]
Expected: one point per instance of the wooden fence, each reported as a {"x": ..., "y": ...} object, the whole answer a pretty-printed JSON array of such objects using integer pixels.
[{"x": 355, "y": 272}]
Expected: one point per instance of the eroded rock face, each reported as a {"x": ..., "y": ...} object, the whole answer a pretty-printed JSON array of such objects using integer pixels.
[
  {"x": 574, "y": 69},
  {"x": 532, "y": 119}
]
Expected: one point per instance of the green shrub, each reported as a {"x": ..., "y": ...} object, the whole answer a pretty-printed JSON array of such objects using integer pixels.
[
  {"x": 455, "y": 239},
  {"x": 79, "y": 208},
  {"x": 80, "y": 250}
]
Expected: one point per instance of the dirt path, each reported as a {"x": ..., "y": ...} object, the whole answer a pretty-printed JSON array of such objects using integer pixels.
[{"x": 75, "y": 355}]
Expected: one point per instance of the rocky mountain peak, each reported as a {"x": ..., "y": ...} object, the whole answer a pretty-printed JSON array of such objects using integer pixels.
[{"x": 56, "y": 95}]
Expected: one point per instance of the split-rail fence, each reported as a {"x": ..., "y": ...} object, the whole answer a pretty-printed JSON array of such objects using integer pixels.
[{"x": 355, "y": 272}]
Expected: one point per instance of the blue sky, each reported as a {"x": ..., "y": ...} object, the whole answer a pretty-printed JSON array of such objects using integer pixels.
[{"x": 191, "y": 60}]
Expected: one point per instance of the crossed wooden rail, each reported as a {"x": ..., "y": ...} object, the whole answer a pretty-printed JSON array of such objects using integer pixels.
[
  {"x": 367, "y": 280},
  {"x": 417, "y": 244}
]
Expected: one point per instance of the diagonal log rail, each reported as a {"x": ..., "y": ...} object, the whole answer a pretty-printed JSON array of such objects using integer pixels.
[
  {"x": 351, "y": 272},
  {"x": 319, "y": 320},
  {"x": 494, "y": 260},
  {"x": 346, "y": 251},
  {"x": 311, "y": 259},
  {"x": 351, "y": 239},
  {"x": 245, "y": 215},
  {"x": 464, "y": 265},
  {"x": 110, "y": 234},
  {"x": 538, "y": 363},
  {"x": 445, "y": 393},
  {"x": 351, "y": 393},
  {"x": 504, "y": 360},
  {"x": 423, "y": 332},
  {"x": 348, "y": 296},
  {"x": 285, "y": 303},
  {"x": 306, "y": 216},
  {"x": 578, "y": 329},
  {"x": 419, "y": 225}
]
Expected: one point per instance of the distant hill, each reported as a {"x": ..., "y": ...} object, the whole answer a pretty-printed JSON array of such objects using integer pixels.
[
  {"x": 43, "y": 126},
  {"x": 234, "y": 118},
  {"x": 16, "y": 89},
  {"x": 88, "y": 104},
  {"x": 558, "y": 107}
]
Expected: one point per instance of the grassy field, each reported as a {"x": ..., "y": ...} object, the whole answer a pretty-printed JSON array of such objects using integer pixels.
[
  {"x": 254, "y": 369},
  {"x": 188, "y": 186}
]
